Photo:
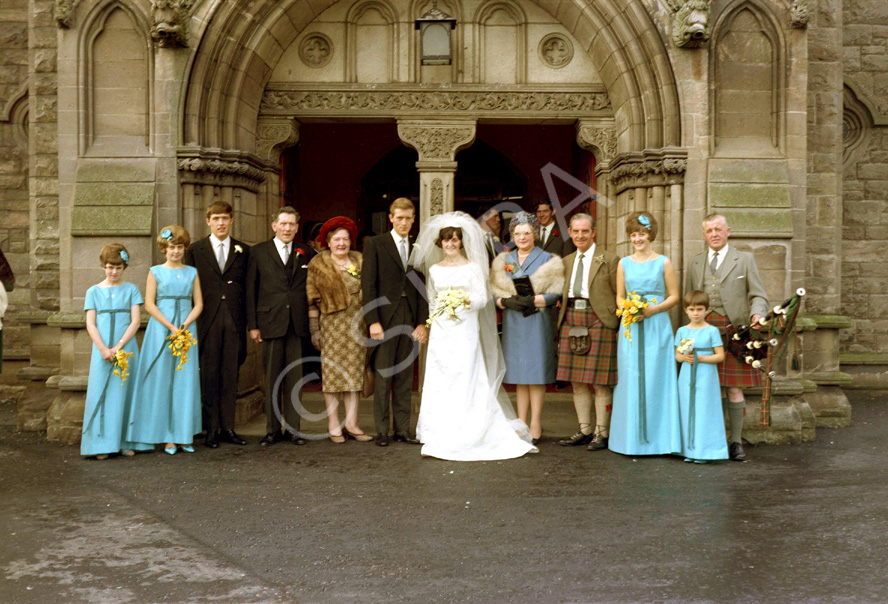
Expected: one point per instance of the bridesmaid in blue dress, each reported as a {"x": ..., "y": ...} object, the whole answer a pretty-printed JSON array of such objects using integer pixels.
[
  {"x": 166, "y": 400},
  {"x": 645, "y": 418},
  {"x": 112, "y": 320},
  {"x": 699, "y": 393},
  {"x": 528, "y": 325}
]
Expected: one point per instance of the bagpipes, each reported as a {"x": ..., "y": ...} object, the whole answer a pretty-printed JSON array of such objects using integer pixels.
[{"x": 764, "y": 345}]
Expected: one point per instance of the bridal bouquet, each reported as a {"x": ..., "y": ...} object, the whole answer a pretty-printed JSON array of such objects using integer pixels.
[
  {"x": 686, "y": 346},
  {"x": 180, "y": 344},
  {"x": 447, "y": 302},
  {"x": 120, "y": 364},
  {"x": 631, "y": 310}
]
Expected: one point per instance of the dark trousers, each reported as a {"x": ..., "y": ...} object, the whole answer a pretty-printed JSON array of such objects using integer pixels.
[
  {"x": 218, "y": 372},
  {"x": 286, "y": 400},
  {"x": 396, "y": 352}
]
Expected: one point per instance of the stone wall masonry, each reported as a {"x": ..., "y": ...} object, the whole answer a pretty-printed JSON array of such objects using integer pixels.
[{"x": 43, "y": 152}]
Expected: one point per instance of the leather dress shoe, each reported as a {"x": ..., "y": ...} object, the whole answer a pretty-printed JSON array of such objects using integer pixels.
[
  {"x": 382, "y": 440},
  {"x": 404, "y": 438},
  {"x": 598, "y": 443},
  {"x": 211, "y": 442},
  {"x": 270, "y": 439},
  {"x": 229, "y": 436},
  {"x": 298, "y": 440},
  {"x": 577, "y": 439},
  {"x": 736, "y": 452}
]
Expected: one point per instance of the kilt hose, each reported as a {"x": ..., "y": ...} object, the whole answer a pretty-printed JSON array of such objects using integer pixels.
[
  {"x": 733, "y": 373},
  {"x": 597, "y": 367}
]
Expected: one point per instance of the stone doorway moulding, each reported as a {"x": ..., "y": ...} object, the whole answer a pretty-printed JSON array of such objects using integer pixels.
[{"x": 438, "y": 123}]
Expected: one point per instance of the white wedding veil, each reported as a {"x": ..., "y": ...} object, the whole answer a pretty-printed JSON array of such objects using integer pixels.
[{"x": 426, "y": 254}]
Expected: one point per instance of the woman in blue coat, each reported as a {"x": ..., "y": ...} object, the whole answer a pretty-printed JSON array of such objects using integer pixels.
[{"x": 528, "y": 323}]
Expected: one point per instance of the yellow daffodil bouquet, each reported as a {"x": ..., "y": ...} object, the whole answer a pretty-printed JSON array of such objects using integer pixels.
[
  {"x": 686, "y": 346},
  {"x": 120, "y": 364},
  {"x": 180, "y": 344},
  {"x": 631, "y": 310},
  {"x": 447, "y": 302}
]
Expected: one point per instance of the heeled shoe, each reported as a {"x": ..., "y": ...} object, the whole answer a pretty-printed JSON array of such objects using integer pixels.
[
  {"x": 338, "y": 439},
  {"x": 171, "y": 450},
  {"x": 358, "y": 436},
  {"x": 187, "y": 448}
]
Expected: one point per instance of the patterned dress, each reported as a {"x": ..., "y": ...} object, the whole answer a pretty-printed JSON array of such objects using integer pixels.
[{"x": 343, "y": 354}]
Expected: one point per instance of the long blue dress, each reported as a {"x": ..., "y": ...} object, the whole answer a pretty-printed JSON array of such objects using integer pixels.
[
  {"x": 529, "y": 342},
  {"x": 702, "y": 420},
  {"x": 107, "y": 397},
  {"x": 166, "y": 402},
  {"x": 645, "y": 419}
]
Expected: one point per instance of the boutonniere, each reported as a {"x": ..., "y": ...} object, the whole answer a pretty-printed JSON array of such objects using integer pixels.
[
  {"x": 598, "y": 259},
  {"x": 496, "y": 239},
  {"x": 352, "y": 270},
  {"x": 299, "y": 252},
  {"x": 238, "y": 249},
  {"x": 555, "y": 233},
  {"x": 510, "y": 268}
]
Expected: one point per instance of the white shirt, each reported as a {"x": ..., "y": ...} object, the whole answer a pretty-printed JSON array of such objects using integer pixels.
[
  {"x": 544, "y": 233},
  {"x": 284, "y": 249},
  {"x": 587, "y": 264},
  {"x": 721, "y": 256},
  {"x": 398, "y": 239},
  {"x": 226, "y": 247}
]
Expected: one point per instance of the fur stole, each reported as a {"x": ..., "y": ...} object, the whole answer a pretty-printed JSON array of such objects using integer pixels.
[
  {"x": 324, "y": 286},
  {"x": 547, "y": 279}
]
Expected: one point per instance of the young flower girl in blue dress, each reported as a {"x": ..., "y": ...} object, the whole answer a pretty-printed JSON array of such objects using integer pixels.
[
  {"x": 112, "y": 320},
  {"x": 166, "y": 398}
]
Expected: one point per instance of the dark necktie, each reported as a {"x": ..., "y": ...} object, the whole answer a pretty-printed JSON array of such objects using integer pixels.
[
  {"x": 578, "y": 280},
  {"x": 713, "y": 266}
]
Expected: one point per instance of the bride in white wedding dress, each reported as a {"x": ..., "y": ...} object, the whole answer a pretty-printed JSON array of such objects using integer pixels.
[{"x": 465, "y": 415}]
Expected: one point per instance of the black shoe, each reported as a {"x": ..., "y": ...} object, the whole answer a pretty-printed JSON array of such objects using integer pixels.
[
  {"x": 535, "y": 441},
  {"x": 405, "y": 438},
  {"x": 298, "y": 440},
  {"x": 229, "y": 436},
  {"x": 270, "y": 439},
  {"x": 211, "y": 443},
  {"x": 577, "y": 439},
  {"x": 382, "y": 440},
  {"x": 736, "y": 452},
  {"x": 598, "y": 443}
]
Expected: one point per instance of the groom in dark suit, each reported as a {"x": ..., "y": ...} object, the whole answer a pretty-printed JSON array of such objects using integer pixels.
[
  {"x": 277, "y": 317},
  {"x": 396, "y": 312},
  {"x": 221, "y": 262}
]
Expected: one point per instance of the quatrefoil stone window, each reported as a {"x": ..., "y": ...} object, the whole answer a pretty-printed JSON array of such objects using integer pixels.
[
  {"x": 556, "y": 51},
  {"x": 316, "y": 50}
]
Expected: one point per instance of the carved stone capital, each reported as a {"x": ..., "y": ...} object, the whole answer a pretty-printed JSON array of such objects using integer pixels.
[
  {"x": 598, "y": 138},
  {"x": 274, "y": 136},
  {"x": 219, "y": 167},
  {"x": 437, "y": 140},
  {"x": 169, "y": 22},
  {"x": 690, "y": 23},
  {"x": 798, "y": 14},
  {"x": 63, "y": 13},
  {"x": 647, "y": 169}
]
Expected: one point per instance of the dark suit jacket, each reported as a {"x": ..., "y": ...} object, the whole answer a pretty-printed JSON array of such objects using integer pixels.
[
  {"x": 276, "y": 293},
  {"x": 222, "y": 287},
  {"x": 558, "y": 244},
  {"x": 383, "y": 275}
]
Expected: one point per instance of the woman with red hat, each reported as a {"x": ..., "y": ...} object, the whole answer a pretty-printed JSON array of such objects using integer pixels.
[{"x": 334, "y": 296}]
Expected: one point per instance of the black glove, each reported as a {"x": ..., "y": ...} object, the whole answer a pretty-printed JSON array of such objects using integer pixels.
[
  {"x": 513, "y": 303},
  {"x": 526, "y": 302}
]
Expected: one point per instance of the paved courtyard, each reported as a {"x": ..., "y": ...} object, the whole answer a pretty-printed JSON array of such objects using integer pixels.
[{"x": 357, "y": 523}]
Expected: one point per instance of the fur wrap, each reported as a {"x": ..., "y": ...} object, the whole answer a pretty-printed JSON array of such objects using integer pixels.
[
  {"x": 324, "y": 286},
  {"x": 547, "y": 279}
]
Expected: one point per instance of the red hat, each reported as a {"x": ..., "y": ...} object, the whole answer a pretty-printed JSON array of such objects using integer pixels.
[{"x": 334, "y": 224}]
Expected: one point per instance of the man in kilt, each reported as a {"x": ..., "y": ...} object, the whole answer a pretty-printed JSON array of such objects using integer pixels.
[
  {"x": 587, "y": 344},
  {"x": 737, "y": 297}
]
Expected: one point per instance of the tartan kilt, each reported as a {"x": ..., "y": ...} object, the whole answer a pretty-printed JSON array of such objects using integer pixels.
[
  {"x": 733, "y": 373},
  {"x": 597, "y": 367}
]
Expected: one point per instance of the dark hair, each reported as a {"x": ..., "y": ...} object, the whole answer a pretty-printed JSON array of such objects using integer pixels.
[
  {"x": 634, "y": 225},
  {"x": 178, "y": 236},
  {"x": 219, "y": 207},
  {"x": 543, "y": 202},
  {"x": 287, "y": 210},
  {"x": 696, "y": 298},
  {"x": 111, "y": 254},
  {"x": 447, "y": 233}
]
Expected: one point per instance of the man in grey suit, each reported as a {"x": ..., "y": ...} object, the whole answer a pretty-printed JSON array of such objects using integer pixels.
[
  {"x": 737, "y": 297},
  {"x": 551, "y": 238}
]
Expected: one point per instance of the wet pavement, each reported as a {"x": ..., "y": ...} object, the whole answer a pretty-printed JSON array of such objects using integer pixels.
[{"x": 358, "y": 523}]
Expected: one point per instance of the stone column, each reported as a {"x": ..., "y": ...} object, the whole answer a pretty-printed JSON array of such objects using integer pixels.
[
  {"x": 437, "y": 142},
  {"x": 601, "y": 139}
]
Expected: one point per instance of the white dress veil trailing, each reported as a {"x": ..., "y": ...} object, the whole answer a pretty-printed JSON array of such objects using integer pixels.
[{"x": 424, "y": 256}]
